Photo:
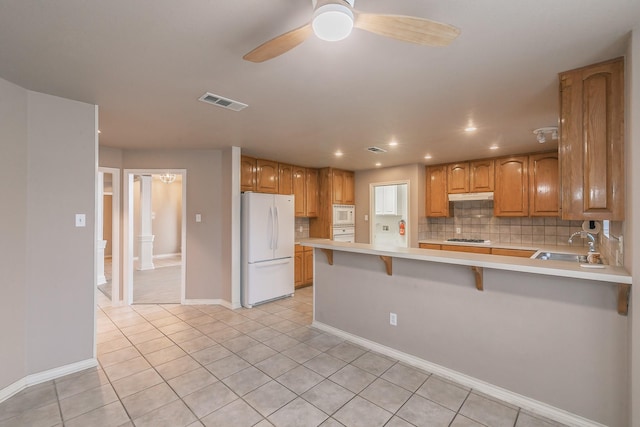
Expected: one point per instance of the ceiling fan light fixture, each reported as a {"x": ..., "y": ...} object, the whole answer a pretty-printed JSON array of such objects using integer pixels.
[{"x": 332, "y": 22}]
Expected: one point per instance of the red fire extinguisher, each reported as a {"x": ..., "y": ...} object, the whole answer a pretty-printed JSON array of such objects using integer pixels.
[{"x": 402, "y": 227}]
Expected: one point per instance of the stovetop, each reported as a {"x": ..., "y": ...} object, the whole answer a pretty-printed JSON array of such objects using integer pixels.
[{"x": 469, "y": 240}]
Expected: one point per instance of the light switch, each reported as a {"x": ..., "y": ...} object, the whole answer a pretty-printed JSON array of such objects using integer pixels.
[
  {"x": 81, "y": 220},
  {"x": 198, "y": 218},
  {"x": 366, "y": 217}
]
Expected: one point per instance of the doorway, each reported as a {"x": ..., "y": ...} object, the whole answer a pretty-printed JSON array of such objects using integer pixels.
[
  {"x": 389, "y": 212},
  {"x": 155, "y": 236}
]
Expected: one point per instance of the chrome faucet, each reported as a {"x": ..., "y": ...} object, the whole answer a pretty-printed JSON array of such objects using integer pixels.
[{"x": 584, "y": 235}]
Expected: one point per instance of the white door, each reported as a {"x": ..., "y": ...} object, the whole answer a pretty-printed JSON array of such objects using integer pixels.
[
  {"x": 258, "y": 216},
  {"x": 285, "y": 226}
]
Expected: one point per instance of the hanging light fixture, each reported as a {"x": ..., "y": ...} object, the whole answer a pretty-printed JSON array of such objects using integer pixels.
[
  {"x": 332, "y": 22},
  {"x": 167, "y": 178},
  {"x": 540, "y": 133}
]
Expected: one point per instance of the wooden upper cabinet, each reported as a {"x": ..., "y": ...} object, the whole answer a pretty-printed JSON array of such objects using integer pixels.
[
  {"x": 437, "y": 200},
  {"x": 343, "y": 187},
  {"x": 267, "y": 176},
  {"x": 544, "y": 184},
  {"x": 285, "y": 178},
  {"x": 481, "y": 176},
  {"x": 348, "y": 189},
  {"x": 305, "y": 191},
  {"x": 311, "y": 193},
  {"x": 592, "y": 141},
  {"x": 299, "y": 190},
  {"x": 337, "y": 187},
  {"x": 511, "y": 196},
  {"x": 458, "y": 178},
  {"x": 247, "y": 173}
]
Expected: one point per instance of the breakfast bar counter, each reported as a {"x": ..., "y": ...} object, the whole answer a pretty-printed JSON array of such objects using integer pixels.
[{"x": 547, "y": 336}]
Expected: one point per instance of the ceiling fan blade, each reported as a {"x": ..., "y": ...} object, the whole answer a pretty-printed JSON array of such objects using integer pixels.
[
  {"x": 407, "y": 28},
  {"x": 279, "y": 45}
]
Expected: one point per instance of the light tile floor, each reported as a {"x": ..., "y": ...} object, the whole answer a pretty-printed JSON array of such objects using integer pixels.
[{"x": 173, "y": 365}]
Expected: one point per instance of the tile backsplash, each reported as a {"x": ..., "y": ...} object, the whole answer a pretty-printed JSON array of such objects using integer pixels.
[
  {"x": 475, "y": 220},
  {"x": 302, "y": 228}
]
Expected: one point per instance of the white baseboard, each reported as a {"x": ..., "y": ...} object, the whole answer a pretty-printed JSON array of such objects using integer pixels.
[
  {"x": 161, "y": 256},
  {"x": 41, "y": 377},
  {"x": 500, "y": 393},
  {"x": 221, "y": 302}
]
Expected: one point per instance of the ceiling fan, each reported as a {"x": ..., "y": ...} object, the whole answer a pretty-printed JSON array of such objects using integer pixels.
[{"x": 333, "y": 20}]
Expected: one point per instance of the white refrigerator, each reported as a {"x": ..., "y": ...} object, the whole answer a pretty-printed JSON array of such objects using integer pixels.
[{"x": 268, "y": 222}]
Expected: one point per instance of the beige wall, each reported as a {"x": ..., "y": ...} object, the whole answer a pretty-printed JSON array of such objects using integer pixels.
[
  {"x": 60, "y": 257},
  {"x": 632, "y": 223},
  {"x": 13, "y": 229},
  {"x": 206, "y": 270},
  {"x": 415, "y": 174},
  {"x": 166, "y": 204},
  {"x": 556, "y": 340},
  {"x": 48, "y": 275}
]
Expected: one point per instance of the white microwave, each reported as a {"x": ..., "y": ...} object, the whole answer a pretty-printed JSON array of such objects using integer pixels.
[{"x": 344, "y": 215}]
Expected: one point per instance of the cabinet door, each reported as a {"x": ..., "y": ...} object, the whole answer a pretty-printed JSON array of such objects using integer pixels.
[
  {"x": 591, "y": 141},
  {"x": 247, "y": 173},
  {"x": 267, "y": 176},
  {"x": 285, "y": 179},
  {"x": 437, "y": 201},
  {"x": 338, "y": 187},
  {"x": 349, "y": 190},
  {"x": 312, "y": 193},
  {"x": 511, "y": 197},
  {"x": 300, "y": 190},
  {"x": 481, "y": 176},
  {"x": 379, "y": 200},
  {"x": 298, "y": 267},
  {"x": 544, "y": 185},
  {"x": 308, "y": 267},
  {"x": 390, "y": 200},
  {"x": 458, "y": 178}
]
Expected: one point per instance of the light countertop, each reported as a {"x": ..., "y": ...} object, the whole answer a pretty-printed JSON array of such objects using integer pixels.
[{"x": 608, "y": 273}]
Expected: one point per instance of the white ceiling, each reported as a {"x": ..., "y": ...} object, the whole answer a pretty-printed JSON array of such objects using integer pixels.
[{"x": 146, "y": 63}]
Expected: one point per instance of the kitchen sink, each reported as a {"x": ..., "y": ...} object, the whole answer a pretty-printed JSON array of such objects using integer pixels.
[{"x": 559, "y": 256}]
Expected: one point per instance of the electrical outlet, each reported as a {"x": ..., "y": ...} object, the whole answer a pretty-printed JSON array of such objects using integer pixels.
[
  {"x": 393, "y": 319},
  {"x": 458, "y": 230}
]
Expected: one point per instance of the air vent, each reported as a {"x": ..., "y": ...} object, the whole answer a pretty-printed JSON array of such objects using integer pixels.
[
  {"x": 376, "y": 150},
  {"x": 220, "y": 101}
]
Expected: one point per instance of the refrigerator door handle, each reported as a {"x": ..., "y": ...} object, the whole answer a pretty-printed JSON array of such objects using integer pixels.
[
  {"x": 270, "y": 230},
  {"x": 276, "y": 232}
]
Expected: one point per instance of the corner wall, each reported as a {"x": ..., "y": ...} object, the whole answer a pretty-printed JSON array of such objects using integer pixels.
[
  {"x": 632, "y": 223},
  {"x": 13, "y": 229},
  {"x": 62, "y": 171}
]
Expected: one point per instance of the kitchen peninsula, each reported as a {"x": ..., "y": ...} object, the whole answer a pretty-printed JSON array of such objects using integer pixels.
[{"x": 544, "y": 335}]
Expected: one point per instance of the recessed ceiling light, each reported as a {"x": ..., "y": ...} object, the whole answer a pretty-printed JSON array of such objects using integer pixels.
[
  {"x": 470, "y": 129},
  {"x": 338, "y": 153},
  {"x": 378, "y": 164},
  {"x": 493, "y": 147},
  {"x": 393, "y": 143},
  {"x": 99, "y": 131},
  {"x": 428, "y": 156}
]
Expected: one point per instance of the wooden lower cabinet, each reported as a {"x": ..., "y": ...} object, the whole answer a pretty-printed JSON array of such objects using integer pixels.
[
  {"x": 523, "y": 253},
  {"x": 308, "y": 266},
  {"x": 429, "y": 246},
  {"x": 303, "y": 261},
  {"x": 473, "y": 249}
]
